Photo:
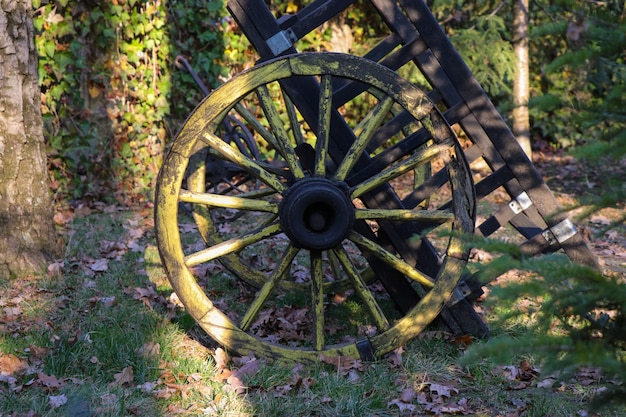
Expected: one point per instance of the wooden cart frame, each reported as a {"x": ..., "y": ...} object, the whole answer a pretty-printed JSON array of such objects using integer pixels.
[{"x": 316, "y": 85}]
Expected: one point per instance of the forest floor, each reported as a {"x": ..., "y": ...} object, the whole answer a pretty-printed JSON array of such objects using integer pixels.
[{"x": 102, "y": 334}]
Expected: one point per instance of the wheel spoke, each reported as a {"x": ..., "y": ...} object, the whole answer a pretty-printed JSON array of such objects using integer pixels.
[
  {"x": 231, "y": 186},
  {"x": 282, "y": 140},
  {"x": 256, "y": 125},
  {"x": 413, "y": 161},
  {"x": 317, "y": 299},
  {"x": 391, "y": 260},
  {"x": 231, "y": 245},
  {"x": 360, "y": 287},
  {"x": 364, "y": 134},
  {"x": 426, "y": 216},
  {"x": 323, "y": 128},
  {"x": 334, "y": 264},
  {"x": 259, "y": 193},
  {"x": 240, "y": 159},
  {"x": 293, "y": 120},
  {"x": 268, "y": 287},
  {"x": 391, "y": 155},
  {"x": 226, "y": 201}
]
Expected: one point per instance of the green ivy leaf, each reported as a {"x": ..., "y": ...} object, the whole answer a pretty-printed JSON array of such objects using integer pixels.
[{"x": 49, "y": 49}]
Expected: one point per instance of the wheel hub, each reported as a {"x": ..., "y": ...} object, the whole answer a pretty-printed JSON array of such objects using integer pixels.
[{"x": 316, "y": 213}]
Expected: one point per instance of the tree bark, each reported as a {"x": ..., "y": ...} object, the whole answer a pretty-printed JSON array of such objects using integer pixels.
[
  {"x": 521, "y": 89},
  {"x": 27, "y": 234}
]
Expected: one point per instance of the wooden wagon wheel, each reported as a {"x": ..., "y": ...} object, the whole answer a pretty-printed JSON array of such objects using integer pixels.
[{"x": 329, "y": 209}]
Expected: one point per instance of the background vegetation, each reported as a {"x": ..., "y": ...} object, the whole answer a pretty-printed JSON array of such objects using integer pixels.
[{"x": 113, "y": 97}]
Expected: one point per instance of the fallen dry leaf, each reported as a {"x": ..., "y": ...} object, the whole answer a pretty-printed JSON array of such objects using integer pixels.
[
  {"x": 125, "y": 377},
  {"x": 458, "y": 407},
  {"x": 9, "y": 380},
  {"x": 61, "y": 218},
  {"x": 108, "y": 399},
  {"x": 148, "y": 387},
  {"x": 221, "y": 358},
  {"x": 99, "y": 265},
  {"x": 12, "y": 311},
  {"x": 343, "y": 364},
  {"x": 36, "y": 353},
  {"x": 395, "y": 357},
  {"x": 112, "y": 250},
  {"x": 464, "y": 340},
  {"x": 249, "y": 368},
  {"x": 165, "y": 393},
  {"x": 402, "y": 405},
  {"x": 295, "y": 383},
  {"x": 236, "y": 384},
  {"x": 508, "y": 372},
  {"x": 149, "y": 350},
  {"x": 55, "y": 268},
  {"x": 51, "y": 382},
  {"x": 407, "y": 395},
  {"x": 589, "y": 375},
  {"x": 106, "y": 301},
  {"x": 442, "y": 390},
  {"x": 527, "y": 371},
  {"x": 57, "y": 401},
  {"x": 11, "y": 364}
]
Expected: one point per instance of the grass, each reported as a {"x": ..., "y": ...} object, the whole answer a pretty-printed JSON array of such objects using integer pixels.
[{"x": 110, "y": 341}]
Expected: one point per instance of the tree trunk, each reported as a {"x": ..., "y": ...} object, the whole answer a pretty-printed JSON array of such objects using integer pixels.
[
  {"x": 27, "y": 235},
  {"x": 521, "y": 93}
]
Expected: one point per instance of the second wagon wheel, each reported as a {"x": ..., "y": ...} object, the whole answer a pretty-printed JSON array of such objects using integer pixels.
[{"x": 334, "y": 200}]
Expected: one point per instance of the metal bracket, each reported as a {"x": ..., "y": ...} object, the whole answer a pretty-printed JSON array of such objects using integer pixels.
[
  {"x": 521, "y": 203},
  {"x": 366, "y": 350},
  {"x": 560, "y": 232},
  {"x": 282, "y": 41}
]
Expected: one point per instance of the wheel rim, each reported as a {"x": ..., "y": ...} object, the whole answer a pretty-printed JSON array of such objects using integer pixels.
[{"x": 317, "y": 203}]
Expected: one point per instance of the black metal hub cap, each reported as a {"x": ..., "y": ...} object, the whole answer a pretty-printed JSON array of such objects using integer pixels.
[{"x": 316, "y": 213}]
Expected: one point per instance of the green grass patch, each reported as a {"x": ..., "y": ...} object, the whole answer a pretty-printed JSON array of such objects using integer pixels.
[{"x": 105, "y": 338}]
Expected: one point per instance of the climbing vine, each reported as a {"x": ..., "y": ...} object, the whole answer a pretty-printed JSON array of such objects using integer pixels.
[{"x": 105, "y": 88}]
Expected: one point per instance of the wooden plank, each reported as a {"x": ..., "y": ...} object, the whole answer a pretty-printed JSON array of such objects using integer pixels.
[
  {"x": 528, "y": 226},
  {"x": 395, "y": 60},
  {"x": 316, "y": 14},
  {"x": 395, "y": 19},
  {"x": 429, "y": 65},
  {"x": 491, "y": 182},
  {"x": 494, "y": 126},
  {"x": 383, "y": 48}
]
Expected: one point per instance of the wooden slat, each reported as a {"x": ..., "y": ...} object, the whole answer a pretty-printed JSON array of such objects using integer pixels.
[
  {"x": 383, "y": 48},
  {"x": 317, "y": 13},
  {"x": 393, "y": 61},
  {"x": 461, "y": 112},
  {"x": 501, "y": 138}
]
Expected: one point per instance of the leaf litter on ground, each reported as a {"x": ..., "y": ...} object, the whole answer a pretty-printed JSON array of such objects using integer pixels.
[{"x": 441, "y": 395}]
